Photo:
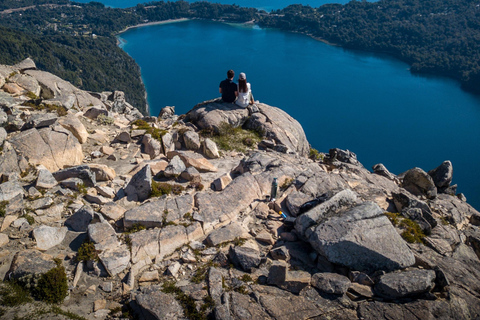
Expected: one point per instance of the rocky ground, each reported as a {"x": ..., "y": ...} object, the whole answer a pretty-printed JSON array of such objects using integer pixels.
[{"x": 154, "y": 218}]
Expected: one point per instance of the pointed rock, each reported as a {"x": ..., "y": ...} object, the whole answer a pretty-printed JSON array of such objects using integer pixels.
[{"x": 140, "y": 186}]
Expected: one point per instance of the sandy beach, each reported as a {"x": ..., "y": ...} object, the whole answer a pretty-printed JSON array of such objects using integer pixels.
[{"x": 153, "y": 23}]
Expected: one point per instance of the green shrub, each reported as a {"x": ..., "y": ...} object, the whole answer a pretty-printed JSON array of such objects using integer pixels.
[
  {"x": 82, "y": 188},
  {"x": 187, "y": 302},
  {"x": 155, "y": 132},
  {"x": 29, "y": 218},
  {"x": 31, "y": 95},
  {"x": 246, "y": 278},
  {"x": 52, "y": 287},
  {"x": 135, "y": 228},
  {"x": 87, "y": 252},
  {"x": 315, "y": 155},
  {"x": 13, "y": 294},
  {"x": 177, "y": 189},
  {"x": 393, "y": 217},
  {"x": 105, "y": 120},
  {"x": 286, "y": 184},
  {"x": 412, "y": 232},
  {"x": 3, "y": 208},
  {"x": 230, "y": 138},
  {"x": 160, "y": 188}
]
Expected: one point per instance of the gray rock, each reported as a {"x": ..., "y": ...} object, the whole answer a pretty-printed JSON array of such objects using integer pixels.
[
  {"x": 145, "y": 244},
  {"x": 103, "y": 236},
  {"x": 40, "y": 120},
  {"x": 82, "y": 172},
  {"x": 14, "y": 123},
  {"x": 405, "y": 284},
  {"x": 10, "y": 190},
  {"x": 112, "y": 211},
  {"x": 210, "y": 149},
  {"x": 154, "y": 304},
  {"x": 345, "y": 156},
  {"x": 295, "y": 200},
  {"x": 225, "y": 234},
  {"x": 419, "y": 183},
  {"x": 3, "y": 239},
  {"x": 124, "y": 137},
  {"x": 3, "y": 135},
  {"x": 149, "y": 215},
  {"x": 245, "y": 257},
  {"x": 380, "y": 169},
  {"x": 9, "y": 162},
  {"x": 75, "y": 126},
  {"x": 115, "y": 259},
  {"x": 277, "y": 125},
  {"x": 80, "y": 220},
  {"x": 168, "y": 143},
  {"x": 6, "y": 100},
  {"x": 363, "y": 239},
  {"x": 344, "y": 198},
  {"x": 151, "y": 146},
  {"x": 192, "y": 140},
  {"x": 213, "y": 114},
  {"x": 296, "y": 281},
  {"x": 280, "y": 253},
  {"x": 61, "y": 92},
  {"x": 404, "y": 202},
  {"x": 222, "y": 182},
  {"x": 48, "y": 237},
  {"x": 119, "y": 102},
  {"x": 28, "y": 265},
  {"x": 95, "y": 111},
  {"x": 191, "y": 174},
  {"x": 442, "y": 175},
  {"x": 26, "y": 64},
  {"x": 45, "y": 179},
  {"x": 41, "y": 203},
  {"x": 166, "y": 112},
  {"x": 140, "y": 186},
  {"x": 171, "y": 238},
  {"x": 72, "y": 183},
  {"x": 226, "y": 205},
  {"x": 54, "y": 147},
  {"x": 331, "y": 283},
  {"x": 174, "y": 168},
  {"x": 277, "y": 273},
  {"x": 27, "y": 82}
]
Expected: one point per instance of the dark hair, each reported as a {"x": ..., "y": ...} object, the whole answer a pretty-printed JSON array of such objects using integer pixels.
[
  {"x": 242, "y": 85},
  {"x": 230, "y": 74}
]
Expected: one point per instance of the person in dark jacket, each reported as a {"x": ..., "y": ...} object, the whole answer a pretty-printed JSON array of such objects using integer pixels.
[{"x": 228, "y": 88}]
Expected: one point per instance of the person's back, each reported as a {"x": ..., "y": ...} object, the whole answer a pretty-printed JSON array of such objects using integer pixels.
[
  {"x": 228, "y": 88},
  {"x": 244, "y": 95}
]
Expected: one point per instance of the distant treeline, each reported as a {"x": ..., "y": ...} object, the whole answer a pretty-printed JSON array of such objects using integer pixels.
[
  {"x": 77, "y": 41},
  {"x": 434, "y": 36}
]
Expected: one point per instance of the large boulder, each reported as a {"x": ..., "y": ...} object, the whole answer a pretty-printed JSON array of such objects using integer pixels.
[
  {"x": 419, "y": 183},
  {"x": 222, "y": 207},
  {"x": 28, "y": 265},
  {"x": 75, "y": 126},
  {"x": 140, "y": 186},
  {"x": 361, "y": 238},
  {"x": 442, "y": 175},
  {"x": 62, "y": 92},
  {"x": 213, "y": 114},
  {"x": 48, "y": 237},
  {"x": 404, "y": 284},
  {"x": 54, "y": 147},
  {"x": 276, "y": 124},
  {"x": 154, "y": 304}
]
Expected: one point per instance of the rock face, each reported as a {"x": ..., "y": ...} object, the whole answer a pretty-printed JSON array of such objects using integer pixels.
[
  {"x": 363, "y": 239},
  {"x": 419, "y": 183},
  {"x": 53, "y": 148},
  {"x": 403, "y": 284},
  {"x": 335, "y": 249}
]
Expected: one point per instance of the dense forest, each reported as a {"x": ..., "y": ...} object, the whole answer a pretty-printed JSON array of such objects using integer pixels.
[
  {"x": 433, "y": 36},
  {"x": 77, "y": 41}
]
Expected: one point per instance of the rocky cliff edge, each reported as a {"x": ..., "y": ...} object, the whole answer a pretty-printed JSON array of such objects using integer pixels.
[{"x": 168, "y": 217}]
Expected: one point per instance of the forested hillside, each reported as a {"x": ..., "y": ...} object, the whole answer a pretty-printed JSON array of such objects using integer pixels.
[
  {"x": 77, "y": 41},
  {"x": 433, "y": 36}
]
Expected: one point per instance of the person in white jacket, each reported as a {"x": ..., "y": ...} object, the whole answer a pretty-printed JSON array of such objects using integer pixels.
[{"x": 244, "y": 92}]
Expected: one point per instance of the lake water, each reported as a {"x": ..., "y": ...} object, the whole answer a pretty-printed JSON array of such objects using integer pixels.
[
  {"x": 367, "y": 103},
  {"x": 266, "y": 5}
]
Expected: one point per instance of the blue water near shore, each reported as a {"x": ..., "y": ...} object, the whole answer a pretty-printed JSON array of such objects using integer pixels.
[
  {"x": 266, "y": 5},
  {"x": 367, "y": 103}
]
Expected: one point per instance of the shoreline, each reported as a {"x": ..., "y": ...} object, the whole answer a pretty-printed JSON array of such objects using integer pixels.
[{"x": 152, "y": 23}]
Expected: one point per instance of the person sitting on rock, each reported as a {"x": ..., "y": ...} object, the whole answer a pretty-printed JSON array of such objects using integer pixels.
[
  {"x": 244, "y": 92},
  {"x": 228, "y": 88}
]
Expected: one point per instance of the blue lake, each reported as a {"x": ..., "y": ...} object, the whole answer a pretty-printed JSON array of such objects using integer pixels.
[{"x": 367, "y": 103}]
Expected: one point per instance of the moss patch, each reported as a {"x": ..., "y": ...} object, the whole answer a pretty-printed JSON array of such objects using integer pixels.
[
  {"x": 52, "y": 286},
  {"x": 230, "y": 138},
  {"x": 87, "y": 252}
]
